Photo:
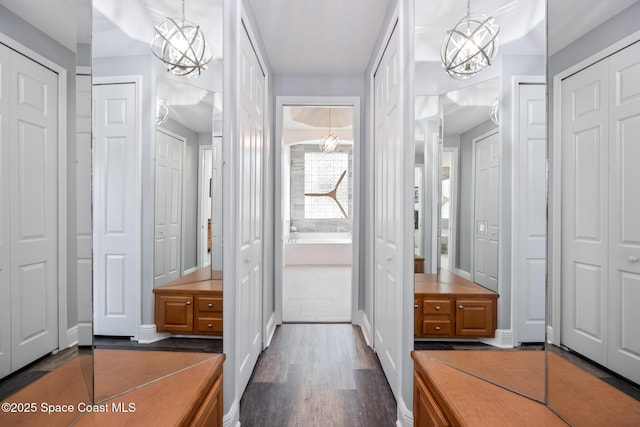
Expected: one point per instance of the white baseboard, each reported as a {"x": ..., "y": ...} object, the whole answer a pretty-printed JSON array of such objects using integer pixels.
[
  {"x": 232, "y": 418},
  {"x": 503, "y": 339},
  {"x": 551, "y": 339},
  {"x": 270, "y": 330},
  {"x": 85, "y": 333},
  {"x": 72, "y": 336},
  {"x": 365, "y": 325},
  {"x": 463, "y": 274},
  {"x": 405, "y": 415},
  {"x": 191, "y": 270},
  {"x": 148, "y": 334}
]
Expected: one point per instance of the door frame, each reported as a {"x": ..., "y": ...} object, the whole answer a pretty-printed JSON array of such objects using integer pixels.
[
  {"x": 474, "y": 141},
  {"x": 202, "y": 188},
  {"x": 66, "y": 337},
  {"x": 554, "y": 232},
  {"x": 346, "y": 101},
  {"x": 454, "y": 176},
  {"x": 137, "y": 81}
]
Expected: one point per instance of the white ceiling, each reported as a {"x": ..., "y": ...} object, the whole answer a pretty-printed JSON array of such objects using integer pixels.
[{"x": 319, "y": 36}]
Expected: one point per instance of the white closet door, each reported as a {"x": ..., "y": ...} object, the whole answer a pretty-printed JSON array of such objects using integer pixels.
[
  {"x": 249, "y": 199},
  {"x": 388, "y": 212},
  {"x": 5, "y": 215},
  {"x": 531, "y": 206},
  {"x": 116, "y": 210},
  {"x": 168, "y": 215},
  {"x": 585, "y": 210},
  {"x": 624, "y": 178},
  {"x": 486, "y": 185},
  {"x": 34, "y": 210}
]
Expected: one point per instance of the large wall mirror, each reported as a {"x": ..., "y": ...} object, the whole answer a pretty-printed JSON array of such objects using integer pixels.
[
  {"x": 480, "y": 163},
  {"x": 157, "y": 190}
]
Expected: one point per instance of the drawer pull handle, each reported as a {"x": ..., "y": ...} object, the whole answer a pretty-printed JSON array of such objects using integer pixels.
[
  {"x": 209, "y": 325},
  {"x": 210, "y": 305},
  {"x": 460, "y": 306},
  {"x": 437, "y": 328},
  {"x": 415, "y": 306},
  {"x": 188, "y": 302},
  {"x": 437, "y": 307}
]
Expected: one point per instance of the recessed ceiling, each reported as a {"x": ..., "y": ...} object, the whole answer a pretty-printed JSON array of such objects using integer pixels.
[{"x": 319, "y": 36}]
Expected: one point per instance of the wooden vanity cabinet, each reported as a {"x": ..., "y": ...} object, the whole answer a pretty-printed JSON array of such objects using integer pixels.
[
  {"x": 426, "y": 411},
  {"x": 189, "y": 308},
  {"x": 452, "y": 307}
]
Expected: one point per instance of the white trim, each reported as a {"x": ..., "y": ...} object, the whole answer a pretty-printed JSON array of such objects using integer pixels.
[
  {"x": 232, "y": 418},
  {"x": 516, "y": 216},
  {"x": 554, "y": 263},
  {"x": 365, "y": 327},
  {"x": 72, "y": 336},
  {"x": 85, "y": 333},
  {"x": 83, "y": 70},
  {"x": 270, "y": 329},
  {"x": 462, "y": 273},
  {"x": 503, "y": 339},
  {"x": 62, "y": 179},
  {"x": 201, "y": 243},
  {"x": 349, "y": 101},
  {"x": 137, "y": 81},
  {"x": 405, "y": 414},
  {"x": 148, "y": 334},
  {"x": 453, "y": 210}
]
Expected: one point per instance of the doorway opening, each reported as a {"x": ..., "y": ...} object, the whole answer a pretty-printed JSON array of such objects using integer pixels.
[{"x": 317, "y": 213}]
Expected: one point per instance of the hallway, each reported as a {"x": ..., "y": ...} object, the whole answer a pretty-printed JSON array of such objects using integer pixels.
[{"x": 318, "y": 375}]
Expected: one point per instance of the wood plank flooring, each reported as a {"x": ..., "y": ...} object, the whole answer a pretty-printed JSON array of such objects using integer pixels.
[{"x": 318, "y": 375}]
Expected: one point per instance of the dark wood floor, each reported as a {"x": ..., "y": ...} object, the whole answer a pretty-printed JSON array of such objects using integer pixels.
[{"x": 318, "y": 375}]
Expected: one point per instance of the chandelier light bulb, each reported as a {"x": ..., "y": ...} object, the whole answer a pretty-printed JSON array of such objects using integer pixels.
[{"x": 470, "y": 46}]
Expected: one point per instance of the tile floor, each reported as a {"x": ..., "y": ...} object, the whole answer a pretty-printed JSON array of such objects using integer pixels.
[{"x": 316, "y": 293}]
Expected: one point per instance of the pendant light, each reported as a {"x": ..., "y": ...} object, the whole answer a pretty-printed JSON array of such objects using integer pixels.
[
  {"x": 181, "y": 46},
  {"x": 470, "y": 46},
  {"x": 330, "y": 142}
]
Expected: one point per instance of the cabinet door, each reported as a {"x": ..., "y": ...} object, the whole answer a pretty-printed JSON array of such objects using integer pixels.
[
  {"x": 174, "y": 313},
  {"x": 426, "y": 411},
  {"x": 474, "y": 318},
  {"x": 210, "y": 412},
  {"x": 417, "y": 318}
]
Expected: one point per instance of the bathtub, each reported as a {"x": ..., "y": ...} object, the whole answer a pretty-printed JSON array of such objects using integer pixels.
[{"x": 318, "y": 249}]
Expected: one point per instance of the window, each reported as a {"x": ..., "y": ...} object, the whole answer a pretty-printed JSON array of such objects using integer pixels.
[{"x": 321, "y": 174}]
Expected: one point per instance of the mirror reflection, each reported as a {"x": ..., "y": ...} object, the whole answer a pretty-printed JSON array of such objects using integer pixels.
[{"x": 480, "y": 197}]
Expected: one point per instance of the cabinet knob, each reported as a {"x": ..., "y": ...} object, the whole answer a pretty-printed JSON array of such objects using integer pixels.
[
  {"x": 437, "y": 328},
  {"x": 460, "y": 306},
  {"x": 437, "y": 307},
  {"x": 210, "y": 305},
  {"x": 209, "y": 326},
  {"x": 633, "y": 259},
  {"x": 415, "y": 306},
  {"x": 188, "y": 302}
]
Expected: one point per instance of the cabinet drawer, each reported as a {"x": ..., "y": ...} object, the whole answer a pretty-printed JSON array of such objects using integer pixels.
[
  {"x": 209, "y": 325},
  {"x": 209, "y": 304},
  {"x": 436, "y": 327},
  {"x": 435, "y": 306}
]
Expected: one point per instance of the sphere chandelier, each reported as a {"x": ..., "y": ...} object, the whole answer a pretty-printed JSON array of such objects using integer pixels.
[
  {"x": 330, "y": 142},
  {"x": 181, "y": 46},
  {"x": 470, "y": 46}
]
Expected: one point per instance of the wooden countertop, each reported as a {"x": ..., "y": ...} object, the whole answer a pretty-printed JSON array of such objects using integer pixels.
[
  {"x": 470, "y": 401},
  {"x": 200, "y": 281},
  {"x": 448, "y": 284}
]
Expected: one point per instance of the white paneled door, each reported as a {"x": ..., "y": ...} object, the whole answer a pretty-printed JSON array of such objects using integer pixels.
[
  {"x": 530, "y": 221},
  {"x": 600, "y": 212},
  {"x": 387, "y": 212},
  {"x": 29, "y": 214},
  {"x": 116, "y": 207},
  {"x": 168, "y": 214},
  {"x": 485, "y": 219},
  {"x": 249, "y": 202}
]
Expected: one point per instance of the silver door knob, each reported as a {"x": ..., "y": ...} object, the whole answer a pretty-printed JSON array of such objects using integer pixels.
[{"x": 634, "y": 259}]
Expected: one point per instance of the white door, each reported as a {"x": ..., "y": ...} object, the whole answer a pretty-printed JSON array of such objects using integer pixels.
[
  {"x": 205, "y": 205},
  {"x": 530, "y": 202},
  {"x": 5, "y": 214},
  {"x": 585, "y": 212},
  {"x": 485, "y": 221},
  {"x": 168, "y": 215},
  {"x": 387, "y": 212},
  {"x": 116, "y": 207},
  {"x": 249, "y": 197},
  {"x": 624, "y": 202},
  {"x": 29, "y": 234}
]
